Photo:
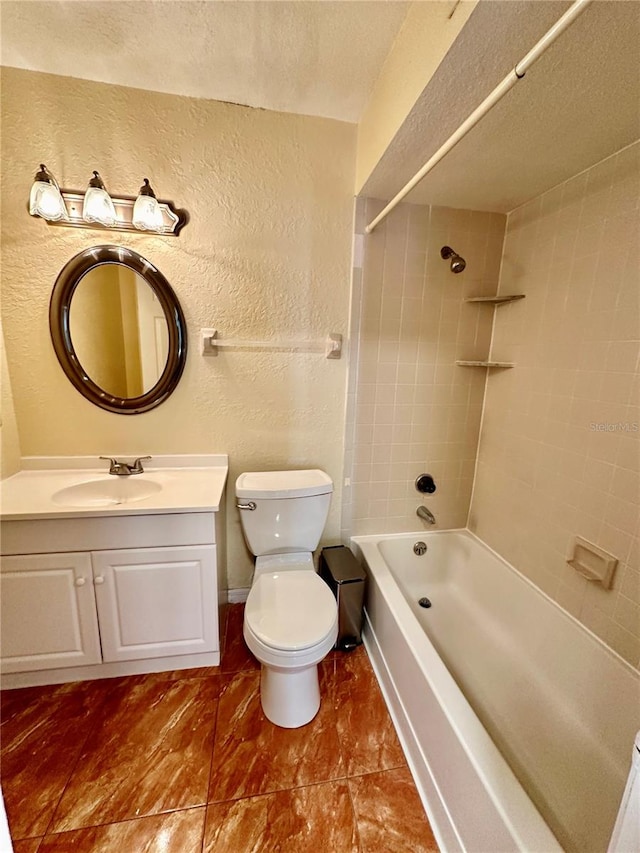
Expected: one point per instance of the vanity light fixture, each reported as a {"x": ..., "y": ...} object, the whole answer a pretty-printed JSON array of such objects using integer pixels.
[
  {"x": 98, "y": 206},
  {"x": 46, "y": 199},
  {"x": 97, "y": 209},
  {"x": 147, "y": 215}
]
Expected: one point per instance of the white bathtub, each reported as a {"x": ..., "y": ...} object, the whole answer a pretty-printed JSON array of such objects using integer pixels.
[{"x": 518, "y": 722}]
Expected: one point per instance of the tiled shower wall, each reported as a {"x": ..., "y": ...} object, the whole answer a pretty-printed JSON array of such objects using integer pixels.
[
  {"x": 410, "y": 408},
  {"x": 559, "y": 454}
]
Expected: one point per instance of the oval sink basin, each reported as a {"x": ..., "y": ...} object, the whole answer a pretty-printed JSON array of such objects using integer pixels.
[{"x": 118, "y": 490}]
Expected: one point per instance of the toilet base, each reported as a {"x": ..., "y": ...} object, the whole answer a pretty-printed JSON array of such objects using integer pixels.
[{"x": 290, "y": 699}]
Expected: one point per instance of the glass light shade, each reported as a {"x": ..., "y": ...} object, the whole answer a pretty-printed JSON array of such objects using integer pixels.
[
  {"x": 147, "y": 215},
  {"x": 46, "y": 201},
  {"x": 98, "y": 207}
]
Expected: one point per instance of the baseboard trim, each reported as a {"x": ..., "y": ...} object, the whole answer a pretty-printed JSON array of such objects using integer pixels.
[{"x": 237, "y": 596}]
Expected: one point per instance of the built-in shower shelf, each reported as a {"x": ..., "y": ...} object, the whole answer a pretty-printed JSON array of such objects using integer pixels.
[
  {"x": 496, "y": 300},
  {"x": 485, "y": 363}
]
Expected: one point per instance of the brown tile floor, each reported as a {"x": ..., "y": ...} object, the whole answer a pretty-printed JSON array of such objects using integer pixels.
[{"x": 186, "y": 762}]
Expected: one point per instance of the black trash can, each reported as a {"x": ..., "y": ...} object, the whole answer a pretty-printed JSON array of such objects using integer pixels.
[{"x": 340, "y": 569}]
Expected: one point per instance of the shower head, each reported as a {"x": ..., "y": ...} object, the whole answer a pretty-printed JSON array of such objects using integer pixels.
[{"x": 458, "y": 263}]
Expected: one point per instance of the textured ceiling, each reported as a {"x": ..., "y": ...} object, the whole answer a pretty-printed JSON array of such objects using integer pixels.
[
  {"x": 314, "y": 58},
  {"x": 579, "y": 103}
]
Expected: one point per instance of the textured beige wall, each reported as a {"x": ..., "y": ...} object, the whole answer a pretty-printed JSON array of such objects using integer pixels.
[
  {"x": 266, "y": 254},
  {"x": 559, "y": 454},
  {"x": 425, "y": 37},
  {"x": 413, "y": 409},
  {"x": 9, "y": 440}
]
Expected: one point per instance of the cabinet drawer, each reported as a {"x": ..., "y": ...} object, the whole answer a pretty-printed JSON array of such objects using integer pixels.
[{"x": 100, "y": 533}]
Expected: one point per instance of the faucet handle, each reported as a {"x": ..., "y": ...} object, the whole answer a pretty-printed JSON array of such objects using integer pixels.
[
  {"x": 137, "y": 468},
  {"x": 114, "y": 466}
]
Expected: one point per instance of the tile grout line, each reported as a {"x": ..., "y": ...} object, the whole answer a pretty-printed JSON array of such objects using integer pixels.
[
  {"x": 101, "y": 823},
  {"x": 213, "y": 746},
  {"x": 356, "y": 823},
  {"x": 271, "y": 791},
  {"x": 94, "y": 713},
  {"x": 130, "y": 819}
]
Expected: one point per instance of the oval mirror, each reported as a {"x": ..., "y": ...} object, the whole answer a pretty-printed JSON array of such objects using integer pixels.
[{"x": 117, "y": 329}]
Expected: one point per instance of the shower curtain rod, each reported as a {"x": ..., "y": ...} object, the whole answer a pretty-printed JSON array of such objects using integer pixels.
[{"x": 489, "y": 102}]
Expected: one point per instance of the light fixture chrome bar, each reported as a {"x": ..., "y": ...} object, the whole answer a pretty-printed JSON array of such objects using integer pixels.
[
  {"x": 173, "y": 219},
  {"x": 489, "y": 102}
]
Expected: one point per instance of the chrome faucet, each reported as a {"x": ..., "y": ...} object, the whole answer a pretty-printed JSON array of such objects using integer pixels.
[
  {"x": 123, "y": 469},
  {"x": 426, "y": 515}
]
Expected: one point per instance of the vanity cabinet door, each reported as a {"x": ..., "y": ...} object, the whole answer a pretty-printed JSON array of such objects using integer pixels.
[
  {"x": 48, "y": 612},
  {"x": 155, "y": 602}
]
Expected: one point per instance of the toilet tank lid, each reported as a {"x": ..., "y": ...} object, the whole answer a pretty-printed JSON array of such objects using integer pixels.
[{"x": 283, "y": 484}]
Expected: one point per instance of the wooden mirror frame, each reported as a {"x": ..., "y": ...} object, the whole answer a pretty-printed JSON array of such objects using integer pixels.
[{"x": 59, "y": 309}]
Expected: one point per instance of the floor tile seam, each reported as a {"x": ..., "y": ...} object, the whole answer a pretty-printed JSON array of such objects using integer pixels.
[
  {"x": 278, "y": 790},
  {"x": 82, "y": 746},
  {"x": 200, "y": 803},
  {"x": 362, "y": 848},
  {"x": 384, "y": 770},
  {"x": 422, "y": 809},
  {"x": 224, "y": 623},
  {"x": 101, "y": 822},
  {"x": 213, "y": 748},
  {"x": 343, "y": 742},
  {"x": 360, "y": 773},
  {"x": 36, "y": 837},
  {"x": 129, "y": 819},
  {"x": 356, "y": 822}
]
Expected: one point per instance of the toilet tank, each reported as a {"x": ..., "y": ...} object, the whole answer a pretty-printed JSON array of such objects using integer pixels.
[{"x": 290, "y": 511}]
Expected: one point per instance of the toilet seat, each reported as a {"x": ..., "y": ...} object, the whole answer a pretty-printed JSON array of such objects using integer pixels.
[{"x": 291, "y": 611}]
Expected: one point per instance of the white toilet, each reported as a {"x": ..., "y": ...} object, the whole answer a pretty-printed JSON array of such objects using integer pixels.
[{"x": 291, "y": 615}]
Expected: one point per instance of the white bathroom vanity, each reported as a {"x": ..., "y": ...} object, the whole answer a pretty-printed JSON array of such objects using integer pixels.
[{"x": 104, "y": 575}]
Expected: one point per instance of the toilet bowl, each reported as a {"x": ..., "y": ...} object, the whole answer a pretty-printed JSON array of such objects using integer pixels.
[
  {"x": 290, "y": 625},
  {"x": 291, "y": 615}
]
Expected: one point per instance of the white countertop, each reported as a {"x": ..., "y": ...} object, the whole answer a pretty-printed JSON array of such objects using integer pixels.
[{"x": 188, "y": 484}]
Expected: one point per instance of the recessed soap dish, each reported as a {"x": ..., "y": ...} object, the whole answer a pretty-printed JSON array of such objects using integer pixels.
[{"x": 592, "y": 562}]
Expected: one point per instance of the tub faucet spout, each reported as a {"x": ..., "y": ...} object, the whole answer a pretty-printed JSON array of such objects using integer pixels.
[{"x": 426, "y": 515}]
